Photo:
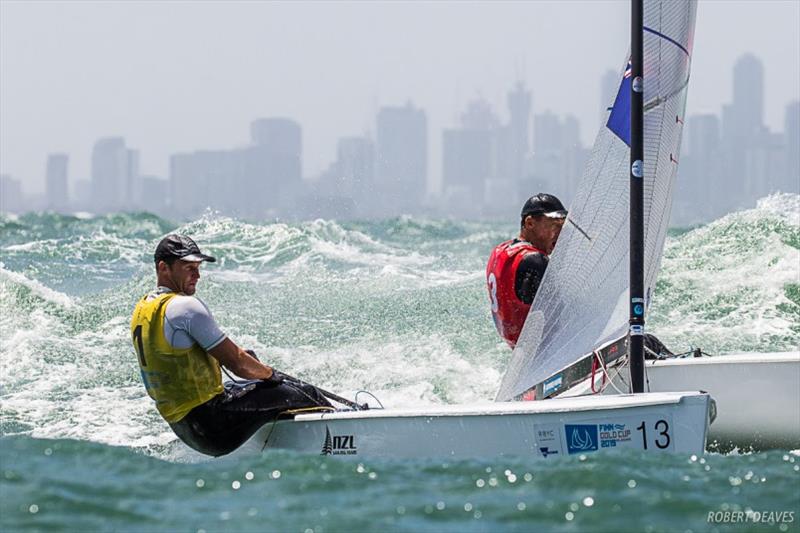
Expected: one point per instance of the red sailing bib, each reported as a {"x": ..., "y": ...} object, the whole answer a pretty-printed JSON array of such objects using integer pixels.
[{"x": 508, "y": 311}]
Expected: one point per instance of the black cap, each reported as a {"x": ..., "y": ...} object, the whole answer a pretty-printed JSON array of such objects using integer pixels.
[
  {"x": 544, "y": 204},
  {"x": 175, "y": 246}
]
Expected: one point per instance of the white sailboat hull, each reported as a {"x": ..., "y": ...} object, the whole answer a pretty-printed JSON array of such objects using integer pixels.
[
  {"x": 657, "y": 422},
  {"x": 757, "y": 395}
]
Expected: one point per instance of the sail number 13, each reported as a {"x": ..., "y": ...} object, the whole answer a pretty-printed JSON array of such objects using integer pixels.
[{"x": 662, "y": 438}]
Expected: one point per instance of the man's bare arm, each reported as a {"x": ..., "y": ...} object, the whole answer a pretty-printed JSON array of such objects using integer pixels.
[{"x": 239, "y": 361}]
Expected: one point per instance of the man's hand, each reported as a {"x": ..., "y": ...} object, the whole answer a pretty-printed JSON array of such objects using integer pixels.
[{"x": 275, "y": 379}]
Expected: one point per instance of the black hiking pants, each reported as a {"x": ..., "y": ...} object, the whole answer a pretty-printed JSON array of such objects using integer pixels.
[{"x": 226, "y": 421}]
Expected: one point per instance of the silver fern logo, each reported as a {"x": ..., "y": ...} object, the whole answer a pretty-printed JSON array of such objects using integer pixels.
[{"x": 327, "y": 448}]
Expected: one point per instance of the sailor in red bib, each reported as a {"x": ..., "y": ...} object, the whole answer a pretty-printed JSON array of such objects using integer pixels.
[{"x": 516, "y": 267}]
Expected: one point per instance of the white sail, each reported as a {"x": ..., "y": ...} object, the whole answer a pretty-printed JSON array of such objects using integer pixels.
[{"x": 583, "y": 299}]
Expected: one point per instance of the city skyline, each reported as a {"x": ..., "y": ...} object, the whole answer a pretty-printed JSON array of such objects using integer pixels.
[
  {"x": 488, "y": 165},
  {"x": 177, "y": 98}
]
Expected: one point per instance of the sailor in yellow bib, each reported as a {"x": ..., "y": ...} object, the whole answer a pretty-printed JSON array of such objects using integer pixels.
[
  {"x": 180, "y": 349},
  {"x": 177, "y": 378}
]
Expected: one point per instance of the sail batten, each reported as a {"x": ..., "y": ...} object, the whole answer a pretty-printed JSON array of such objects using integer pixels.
[{"x": 582, "y": 301}]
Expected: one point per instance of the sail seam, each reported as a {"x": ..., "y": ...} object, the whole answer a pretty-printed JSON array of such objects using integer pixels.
[{"x": 673, "y": 41}]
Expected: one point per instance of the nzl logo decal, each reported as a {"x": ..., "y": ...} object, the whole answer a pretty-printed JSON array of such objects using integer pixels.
[{"x": 338, "y": 444}]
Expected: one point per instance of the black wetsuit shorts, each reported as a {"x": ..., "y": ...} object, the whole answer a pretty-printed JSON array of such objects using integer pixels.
[{"x": 226, "y": 421}]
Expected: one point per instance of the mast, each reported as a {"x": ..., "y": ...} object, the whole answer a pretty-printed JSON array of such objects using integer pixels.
[{"x": 637, "y": 304}]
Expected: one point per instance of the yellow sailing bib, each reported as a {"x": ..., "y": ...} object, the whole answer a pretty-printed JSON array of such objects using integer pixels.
[{"x": 178, "y": 379}]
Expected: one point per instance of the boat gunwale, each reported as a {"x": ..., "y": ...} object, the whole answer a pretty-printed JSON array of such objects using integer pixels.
[
  {"x": 737, "y": 358},
  {"x": 552, "y": 406}
]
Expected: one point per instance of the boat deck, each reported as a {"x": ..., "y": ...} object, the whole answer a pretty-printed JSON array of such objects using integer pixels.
[{"x": 557, "y": 405}]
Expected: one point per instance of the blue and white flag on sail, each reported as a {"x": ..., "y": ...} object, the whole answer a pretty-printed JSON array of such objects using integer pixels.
[{"x": 619, "y": 120}]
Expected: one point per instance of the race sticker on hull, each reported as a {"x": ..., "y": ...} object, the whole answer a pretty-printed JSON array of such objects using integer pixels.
[
  {"x": 548, "y": 440},
  {"x": 648, "y": 432},
  {"x": 338, "y": 444},
  {"x": 581, "y": 438}
]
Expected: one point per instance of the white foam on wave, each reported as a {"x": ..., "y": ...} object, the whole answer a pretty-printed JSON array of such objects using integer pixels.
[
  {"x": 99, "y": 247},
  {"x": 312, "y": 246},
  {"x": 486, "y": 236},
  {"x": 349, "y": 253},
  {"x": 117, "y": 416},
  {"x": 420, "y": 279},
  {"x": 240, "y": 276},
  {"x": 32, "y": 246},
  {"x": 258, "y": 245},
  {"x": 727, "y": 280},
  {"x": 37, "y": 288},
  {"x": 82, "y": 385},
  {"x": 403, "y": 372},
  {"x": 785, "y": 205}
]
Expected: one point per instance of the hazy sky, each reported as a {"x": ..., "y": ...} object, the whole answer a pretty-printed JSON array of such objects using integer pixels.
[{"x": 180, "y": 76}]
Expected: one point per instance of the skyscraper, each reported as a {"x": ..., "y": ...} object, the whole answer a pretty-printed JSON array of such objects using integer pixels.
[
  {"x": 467, "y": 161},
  {"x": 273, "y": 166},
  {"x": 346, "y": 188},
  {"x": 703, "y": 136},
  {"x": 356, "y": 169},
  {"x": 546, "y": 133},
  {"x": 765, "y": 166},
  {"x": 206, "y": 178},
  {"x": 282, "y": 135},
  {"x": 742, "y": 132},
  {"x": 470, "y": 157},
  {"x": 558, "y": 156},
  {"x": 748, "y": 94},
  {"x": 573, "y": 158},
  {"x": 10, "y": 194},
  {"x": 402, "y": 159},
  {"x": 56, "y": 186},
  {"x": 699, "y": 172},
  {"x": 133, "y": 191},
  {"x": 519, "y": 109},
  {"x": 115, "y": 171}
]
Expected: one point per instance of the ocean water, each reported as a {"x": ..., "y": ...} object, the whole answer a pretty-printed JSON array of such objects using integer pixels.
[{"x": 397, "y": 307}]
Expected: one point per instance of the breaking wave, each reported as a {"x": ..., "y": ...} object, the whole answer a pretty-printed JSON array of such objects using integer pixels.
[{"x": 734, "y": 284}]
